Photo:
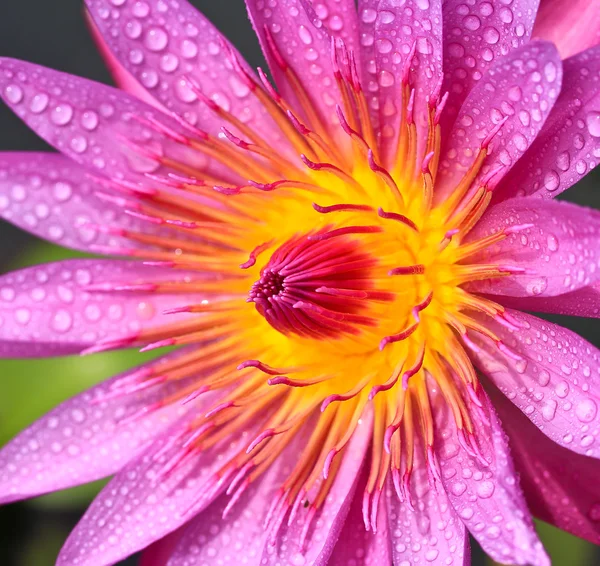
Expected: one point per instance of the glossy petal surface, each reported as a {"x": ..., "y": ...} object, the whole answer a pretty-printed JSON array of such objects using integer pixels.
[
  {"x": 475, "y": 36},
  {"x": 142, "y": 504},
  {"x": 568, "y": 146},
  {"x": 561, "y": 488},
  {"x": 55, "y": 199},
  {"x": 82, "y": 440},
  {"x": 572, "y": 25},
  {"x": 97, "y": 126},
  {"x": 421, "y": 25},
  {"x": 300, "y": 38},
  {"x": 432, "y": 532},
  {"x": 583, "y": 302},
  {"x": 488, "y": 498},
  {"x": 163, "y": 46},
  {"x": 559, "y": 249},
  {"x": 520, "y": 88},
  {"x": 555, "y": 383},
  {"x": 48, "y": 311}
]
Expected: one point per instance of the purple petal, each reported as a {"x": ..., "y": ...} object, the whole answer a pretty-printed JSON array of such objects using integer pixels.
[
  {"x": 329, "y": 522},
  {"x": 163, "y": 46},
  {"x": 159, "y": 552},
  {"x": 47, "y": 311},
  {"x": 52, "y": 197},
  {"x": 573, "y": 25},
  {"x": 568, "y": 146},
  {"x": 82, "y": 440},
  {"x": 559, "y": 250},
  {"x": 583, "y": 302},
  {"x": 555, "y": 382},
  {"x": 241, "y": 536},
  {"x": 300, "y": 38},
  {"x": 399, "y": 27},
  {"x": 340, "y": 19},
  {"x": 475, "y": 36},
  {"x": 521, "y": 88},
  {"x": 367, "y": 18},
  {"x": 123, "y": 79},
  {"x": 488, "y": 499},
  {"x": 96, "y": 125},
  {"x": 432, "y": 532},
  {"x": 561, "y": 488},
  {"x": 142, "y": 504},
  {"x": 358, "y": 546}
]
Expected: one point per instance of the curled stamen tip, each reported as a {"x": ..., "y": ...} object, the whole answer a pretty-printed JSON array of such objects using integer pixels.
[
  {"x": 426, "y": 160},
  {"x": 329, "y": 400},
  {"x": 387, "y": 438},
  {"x": 486, "y": 141},
  {"x": 218, "y": 408},
  {"x": 518, "y": 228},
  {"x": 227, "y": 190},
  {"x": 158, "y": 344},
  {"x": 267, "y": 433},
  {"x": 328, "y": 461}
]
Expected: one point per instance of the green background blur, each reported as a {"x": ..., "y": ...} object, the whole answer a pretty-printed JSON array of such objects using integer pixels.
[{"x": 52, "y": 33}]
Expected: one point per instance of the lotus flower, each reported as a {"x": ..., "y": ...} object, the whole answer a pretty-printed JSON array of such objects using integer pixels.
[{"x": 340, "y": 261}]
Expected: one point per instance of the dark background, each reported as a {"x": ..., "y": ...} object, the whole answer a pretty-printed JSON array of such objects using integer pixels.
[{"x": 53, "y": 33}]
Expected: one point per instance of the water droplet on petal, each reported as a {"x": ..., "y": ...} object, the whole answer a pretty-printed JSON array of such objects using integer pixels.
[
  {"x": 61, "y": 115},
  {"x": 593, "y": 124},
  {"x": 156, "y": 39}
]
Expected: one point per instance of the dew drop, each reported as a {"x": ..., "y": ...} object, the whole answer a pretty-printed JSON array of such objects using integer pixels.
[
  {"x": 551, "y": 181},
  {"x": 156, "y": 39},
  {"x": 39, "y": 103},
  {"x": 62, "y": 321},
  {"x": 586, "y": 410},
  {"x": 13, "y": 93},
  {"x": 61, "y": 115},
  {"x": 593, "y": 124},
  {"x": 89, "y": 120},
  {"x": 485, "y": 489}
]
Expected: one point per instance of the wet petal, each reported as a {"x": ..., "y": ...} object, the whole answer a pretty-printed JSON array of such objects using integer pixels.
[
  {"x": 561, "y": 488},
  {"x": 340, "y": 19},
  {"x": 568, "y": 146},
  {"x": 475, "y": 36},
  {"x": 521, "y": 88},
  {"x": 583, "y": 302},
  {"x": 432, "y": 532},
  {"x": 559, "y": 251},
  {"x": 487, "y": 498},
  {"x": 556, "y": 381},
  {"x": 328, "y": 523},
  {"x": 163, "y": 46},
  {"x": 48, "y": 310},
  {"x": 83, "y": 440},
  {"x": 142, "y": 504},
  {"x": 97, "y": 126},
  {"x": 302, "y": 40},
  {"x": 122, "y": 77},
  {"x": 367, "y": 18},
  {"x": 572, "y": 25},
  {"x": 399, "y": 27},
  {"x": 52, "y": 197},
  {"x": 358, "y": 546}
]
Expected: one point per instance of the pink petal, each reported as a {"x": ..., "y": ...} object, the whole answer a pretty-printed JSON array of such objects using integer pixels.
[
  {"x": 367, "y": 18},
  {"x": 47, "y": 311},
  {"x": 302, "y": 41},
  {"x": 358, "y": 546},
  {"x": 94, "y": 124},
  {"x": 488, "y": 499},
  {"x": 141, "y": 504},
  {"x": 52, "y": 197},
  {"x": 123, "y": 79},
  {"x": 399, "y": 27},
  {"x": 432, "y": 532},
  {"x": 241, "y": 536},
  {"x": 572, "y": 25},
  {"x": 328, "y": 523},
  {"x": 340, "y": 19},
  {"x": 561, "y": 488},
  {"x": 555, "y": 382},
  {"x": 475, "y": 36},
  {"x": 568, "y": 146},
  {"x": 583, "y": 302},
  {"x": 159, "y": 552},
  {"x": 162, "y": 46},
  {"x": 521, "y": 88},
  {"x": 83, "y": 440},
  {"x": 559, "y": 251}
]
